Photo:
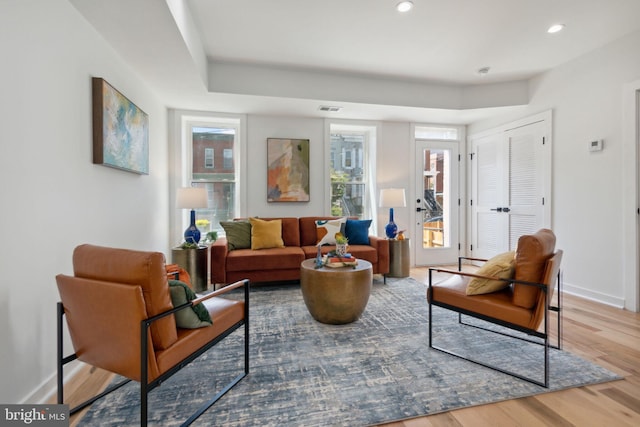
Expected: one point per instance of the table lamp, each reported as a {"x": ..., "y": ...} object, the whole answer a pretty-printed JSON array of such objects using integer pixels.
[
  {"x": 392, "y": 198},
  {"x": 191, "y": 198}
]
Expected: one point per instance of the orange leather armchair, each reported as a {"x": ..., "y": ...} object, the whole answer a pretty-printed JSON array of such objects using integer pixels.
[
  {"x": 120, "y": 318},
  {"x": 523, "y": 306}
]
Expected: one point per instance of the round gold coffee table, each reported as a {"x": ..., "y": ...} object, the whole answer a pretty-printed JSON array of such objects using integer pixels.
[{"x": 336, "y": 295}]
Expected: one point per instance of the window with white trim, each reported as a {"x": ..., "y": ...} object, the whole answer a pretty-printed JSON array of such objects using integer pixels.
[{"x": 351, "y": 184}]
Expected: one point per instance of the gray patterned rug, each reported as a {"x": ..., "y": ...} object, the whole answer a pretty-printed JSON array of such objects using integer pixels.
[{"x": 375, "y": 370}]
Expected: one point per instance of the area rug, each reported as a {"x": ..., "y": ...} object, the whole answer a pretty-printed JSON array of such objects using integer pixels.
[{"x": 375, "y": 370}]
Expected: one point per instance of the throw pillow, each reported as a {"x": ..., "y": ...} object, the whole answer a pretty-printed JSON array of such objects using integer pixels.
[
  {"x": 193, "y": 317},
  {"x": 266, "y": 234},
  {"x": 238, "y": 234},
  {"x": 326, "y": 230},
  {"x": 501, "y": 266},
  {"x": 357, "y": 231}
]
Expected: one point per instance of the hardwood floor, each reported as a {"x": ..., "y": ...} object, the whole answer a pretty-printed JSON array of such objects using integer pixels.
[{"x": 596, "y": 332}]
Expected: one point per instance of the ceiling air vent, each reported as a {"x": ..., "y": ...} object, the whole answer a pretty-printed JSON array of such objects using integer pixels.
[{"x": 329, "y": 108}]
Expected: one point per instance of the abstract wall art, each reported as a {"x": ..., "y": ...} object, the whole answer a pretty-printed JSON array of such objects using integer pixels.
[
  {"x": 120, "y": 130},
  {"x": 287, "y": 170}
]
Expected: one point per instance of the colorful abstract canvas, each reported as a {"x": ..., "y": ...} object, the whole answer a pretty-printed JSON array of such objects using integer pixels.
[
  {"x": 287, "y": 170},
  {"x": 120, "y": 130}
]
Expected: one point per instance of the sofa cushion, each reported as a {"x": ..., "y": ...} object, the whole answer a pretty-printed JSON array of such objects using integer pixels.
[
  {"x": 193, "y": 317},
  {"x": 289, "y": 257},
  {"x": 501, "y": 266},
  {"x": 496, "y": 305},
  {"x": 266, "y": 234},
  {"x": 532, "y": 253},
  {"x": 357, "y": 231},
  {"x": 290, "y": 230},
  {"x": 238, "y": 234},
  {"x": 326, "y": 230}
]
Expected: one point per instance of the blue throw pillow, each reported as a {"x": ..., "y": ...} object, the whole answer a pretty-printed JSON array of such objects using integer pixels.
[{"x": 357, "y": 231}]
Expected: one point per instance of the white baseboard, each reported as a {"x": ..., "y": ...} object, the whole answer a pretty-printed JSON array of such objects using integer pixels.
[
  {"x": 593, "y": 295},
  {"x": 48, "y": 389}
]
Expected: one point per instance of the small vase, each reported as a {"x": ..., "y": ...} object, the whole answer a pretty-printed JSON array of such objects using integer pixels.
[{"x": 341, "y": 249}]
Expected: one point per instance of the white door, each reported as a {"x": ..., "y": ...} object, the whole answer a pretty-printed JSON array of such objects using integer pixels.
[
  {"x": 437, "y": 227},
  {"x": 510, "y": 173}
]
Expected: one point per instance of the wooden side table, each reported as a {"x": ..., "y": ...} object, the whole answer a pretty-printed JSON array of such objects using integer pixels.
[
  {"x": 399, "y": 258},
  {"x": 195, "y": 262}
]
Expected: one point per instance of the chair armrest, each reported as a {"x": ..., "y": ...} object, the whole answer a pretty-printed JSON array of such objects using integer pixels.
[
  {"x": 461, "y": 258},
  {"x": 242, "y": 283},
  {"x": 461, "y": 273},
  {"x": 239, "y": 284},
  {"x": 219, "y": 251}
]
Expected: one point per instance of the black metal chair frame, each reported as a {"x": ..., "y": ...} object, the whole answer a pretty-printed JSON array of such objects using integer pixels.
[
  {"x": 531, "y": 332},
  {"x": 145, "y": 385}
]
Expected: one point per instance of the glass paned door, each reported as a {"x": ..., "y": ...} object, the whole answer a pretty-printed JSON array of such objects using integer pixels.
[{"x": 436, "y": 231}]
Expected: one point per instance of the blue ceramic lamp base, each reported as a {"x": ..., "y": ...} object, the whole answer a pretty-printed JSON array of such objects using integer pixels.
[
  {"x": 192, "y": 234},
  {"x": 391, "y": 229}
]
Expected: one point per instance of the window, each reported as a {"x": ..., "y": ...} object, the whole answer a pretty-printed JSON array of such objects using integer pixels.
[
  {"x": 351, "y": 154},
  {"x": 209, "y": 143},
  {"x": 227, "y": 155},
  {"x": 436, "y": 132},
  {"x": 208, "y": 158}
]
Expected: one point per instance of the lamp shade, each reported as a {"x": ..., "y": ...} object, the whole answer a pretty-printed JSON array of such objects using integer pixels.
[
  {"x": 191, "y": 198},
  {"x": 392, "y": 198}
]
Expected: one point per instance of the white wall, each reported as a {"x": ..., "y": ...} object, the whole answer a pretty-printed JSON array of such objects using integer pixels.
[
  {"x": 395, "y": 167},
  {"x": 392, "y": 168},
  {"x": 259, "y": 128},
  {"x": 53, "y": 197},
  {"x": 586, "y": 96}
]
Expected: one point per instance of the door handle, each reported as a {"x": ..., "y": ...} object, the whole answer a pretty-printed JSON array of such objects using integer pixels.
[
  {"x": 497, "y": 209},
  {"x": 420, "y": 209},
  {"x": 506, "y": 210}
]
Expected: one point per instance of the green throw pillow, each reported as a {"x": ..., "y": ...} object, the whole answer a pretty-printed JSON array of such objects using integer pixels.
[
  {"x": 501, "y": 266},
  {"x": 238, "y": 234},
  {"x": 190, "y": 317}
]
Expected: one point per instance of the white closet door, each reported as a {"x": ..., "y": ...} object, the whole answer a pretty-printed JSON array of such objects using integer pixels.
[
  {"x": 489, "y": 179},
  {"x": 510, "y": 173},
  {"x": 526, "y": 181}
]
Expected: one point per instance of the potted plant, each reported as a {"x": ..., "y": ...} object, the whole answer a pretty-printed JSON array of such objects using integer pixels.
[{"x": 341, "y": 244}]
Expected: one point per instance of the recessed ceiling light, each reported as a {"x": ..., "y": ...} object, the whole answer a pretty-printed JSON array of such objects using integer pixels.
[
  {"x": 555, "y": 28},
  {"x": 404, "y": 6}
]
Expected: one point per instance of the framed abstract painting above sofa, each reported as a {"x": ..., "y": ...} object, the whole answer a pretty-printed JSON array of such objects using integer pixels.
[{"x": 287, "y": 170}]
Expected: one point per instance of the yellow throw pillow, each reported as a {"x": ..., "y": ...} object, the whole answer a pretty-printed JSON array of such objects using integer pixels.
[
  {"x": 266, "y": 234},
  {"x": 502, "y": 266}
]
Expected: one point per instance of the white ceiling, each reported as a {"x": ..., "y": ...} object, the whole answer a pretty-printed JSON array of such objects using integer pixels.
[{"x": 176, "y": 45}]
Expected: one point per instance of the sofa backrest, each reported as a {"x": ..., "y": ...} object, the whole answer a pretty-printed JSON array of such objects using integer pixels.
[
  {"x": 128, "y": 267},
  {"x": 290, "y": 230},
  {"x": 532, "y": 254},
  {"x": 308, "y": 233}
]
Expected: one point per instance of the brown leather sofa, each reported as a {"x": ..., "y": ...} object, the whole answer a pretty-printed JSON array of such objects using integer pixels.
[
  {"x": 283, "y": 264},
  {"x": 523, "y": 305},
  {"x": 120, "y": 317}
]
